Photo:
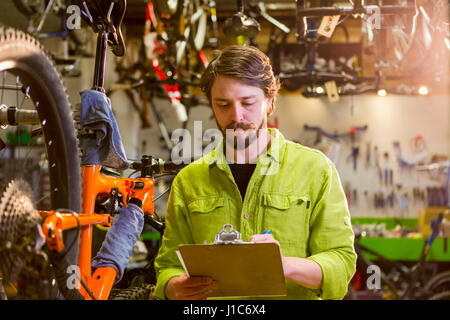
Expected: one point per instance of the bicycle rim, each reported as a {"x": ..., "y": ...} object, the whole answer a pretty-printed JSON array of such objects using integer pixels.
[
  {"x": 441, "y": 296},
  {"x": 439, "y": 283}
]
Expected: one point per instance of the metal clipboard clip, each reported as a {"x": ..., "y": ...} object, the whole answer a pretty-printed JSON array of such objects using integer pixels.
[{"x": 228, "y": 235}]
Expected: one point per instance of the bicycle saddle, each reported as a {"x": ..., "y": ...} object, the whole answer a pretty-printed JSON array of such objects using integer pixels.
[
  {"x": 240, "y": 24},
  {"x": 105, "y": 15}
]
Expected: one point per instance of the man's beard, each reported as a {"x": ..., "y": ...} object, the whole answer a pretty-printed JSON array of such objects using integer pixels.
[{"x": 251, "y": 132}]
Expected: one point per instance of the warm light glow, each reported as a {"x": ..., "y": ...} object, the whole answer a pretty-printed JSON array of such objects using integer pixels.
[
  {"x": 319, "y": 90},
  {"x": 8, "y": 64},
  {"x": 423, "y": 90},
  {"x": 382, "y": 93}
]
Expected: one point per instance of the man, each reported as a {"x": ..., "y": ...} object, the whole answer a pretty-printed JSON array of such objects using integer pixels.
[{"x": 256, "y": 180}]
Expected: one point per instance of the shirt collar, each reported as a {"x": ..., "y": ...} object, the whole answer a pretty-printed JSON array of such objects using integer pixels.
[{"x": 277, "y": 146}]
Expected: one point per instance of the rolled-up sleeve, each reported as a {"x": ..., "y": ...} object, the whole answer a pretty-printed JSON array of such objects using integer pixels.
[
  {"x": 331, "y": 242},
  {"x": 177, "y": 231},
  {"x": 118, "y": 246}
]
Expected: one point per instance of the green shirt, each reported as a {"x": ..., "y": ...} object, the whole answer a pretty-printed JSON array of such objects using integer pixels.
[{"x": 295, "y": 191}]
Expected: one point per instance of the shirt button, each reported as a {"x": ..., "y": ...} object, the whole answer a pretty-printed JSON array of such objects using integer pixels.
[{"x": 246, "y": 216}]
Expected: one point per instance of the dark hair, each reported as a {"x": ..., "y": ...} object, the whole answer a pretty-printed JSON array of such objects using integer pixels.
[{"x": 244, "y": 63}]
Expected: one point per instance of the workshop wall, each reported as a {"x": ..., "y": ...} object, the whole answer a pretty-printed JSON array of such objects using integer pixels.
[{"x": 391, "y": 118}]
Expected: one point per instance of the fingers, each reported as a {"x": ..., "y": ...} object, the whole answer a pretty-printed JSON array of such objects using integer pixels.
[
  {"x": 190, "y": 288},
  {"x": 266, "y": 238},
  {"x": 260, "y": 238},
  {"x": 197, "y": 281},
  {"x": 201, "y": 293}
]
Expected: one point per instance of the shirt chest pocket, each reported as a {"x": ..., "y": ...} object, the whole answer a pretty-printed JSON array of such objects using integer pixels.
[
  {"x": 287, "y": 215},
  {"x": 208, "y": 215}
]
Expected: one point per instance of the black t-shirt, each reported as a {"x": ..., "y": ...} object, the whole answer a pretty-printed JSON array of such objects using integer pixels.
[{"x": 242, "y": 174}]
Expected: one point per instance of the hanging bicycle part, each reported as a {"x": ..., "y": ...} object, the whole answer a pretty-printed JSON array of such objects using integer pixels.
[
  {"x": 405, "y": 35},
  {"x": 240, "y": 24},
  {"x": 336, "y": 136}
]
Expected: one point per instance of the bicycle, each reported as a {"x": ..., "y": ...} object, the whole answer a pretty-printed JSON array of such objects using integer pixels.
[
  {"x": 164, "y": 64},
  {"x": 244, "y": 27},
  {"x": 403, "y": 282},
  {"x": 40, "y": 136},
  {"x": 179, "y": 32},
  {"x": 401, "y": 36},
  {"x": 414, "y": 43},
  {"x": 23, "y": 229}
]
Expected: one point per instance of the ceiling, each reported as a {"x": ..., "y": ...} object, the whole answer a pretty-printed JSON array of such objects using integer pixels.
[
  {"x": 350, "y": 31},
  {"x": 225, "y": 8}
]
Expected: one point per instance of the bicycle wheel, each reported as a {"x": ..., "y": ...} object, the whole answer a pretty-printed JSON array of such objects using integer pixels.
[
  {"x": 143, "y": 292},
  {"x": 441, "y": 296},
  {"x": 31, "y": 84},
  {"x": 38, "y": 142},
  {"x": 438, "y": 284}
]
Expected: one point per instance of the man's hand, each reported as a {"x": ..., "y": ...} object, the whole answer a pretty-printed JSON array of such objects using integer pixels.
[
  {"x": 189, "y": 288},
  {"x": 264, "y": 238},
  {"x": 267, "y": 238},
  {"x": 305, "y": 272}
]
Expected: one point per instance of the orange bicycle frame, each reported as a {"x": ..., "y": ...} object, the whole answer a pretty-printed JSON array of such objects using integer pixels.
[{"x": 94, "y": 183}]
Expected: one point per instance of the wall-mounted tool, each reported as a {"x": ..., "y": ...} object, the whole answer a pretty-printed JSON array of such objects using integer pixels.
[
  {"x": 354, "y": 155},
  {"x": 336, "y": 136},
  {"x": 368, "y": 154}
]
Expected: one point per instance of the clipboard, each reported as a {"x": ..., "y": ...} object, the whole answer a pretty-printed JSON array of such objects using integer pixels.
[{"x": 241, "y": 268}]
